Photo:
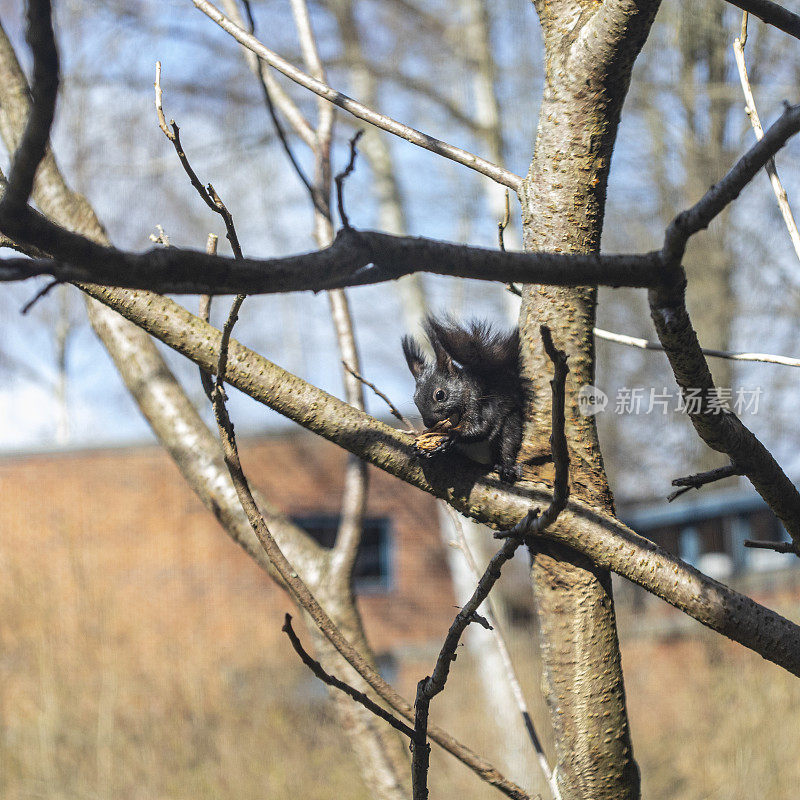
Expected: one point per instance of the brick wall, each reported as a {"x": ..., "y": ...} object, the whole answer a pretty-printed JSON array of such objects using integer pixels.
[{"x": 123, "y": 523}]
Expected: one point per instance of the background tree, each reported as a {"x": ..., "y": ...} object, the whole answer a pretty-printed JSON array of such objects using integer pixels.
[{"x": 589, "y": 56}]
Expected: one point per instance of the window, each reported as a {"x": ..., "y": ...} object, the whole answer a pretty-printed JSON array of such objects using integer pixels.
[{"x": 373, "y": 572}]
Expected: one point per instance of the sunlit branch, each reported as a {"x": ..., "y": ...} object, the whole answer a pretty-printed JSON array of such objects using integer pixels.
[{"x": 427, "y": 142}]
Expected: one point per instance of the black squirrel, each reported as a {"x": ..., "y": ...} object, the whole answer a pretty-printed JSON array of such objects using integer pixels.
[{"x": 473, "y": 390}]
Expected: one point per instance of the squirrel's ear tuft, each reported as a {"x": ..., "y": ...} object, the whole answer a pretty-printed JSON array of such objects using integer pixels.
[
  {"x": 415, "y": 358},
  {"x": 444, "y": 362}
]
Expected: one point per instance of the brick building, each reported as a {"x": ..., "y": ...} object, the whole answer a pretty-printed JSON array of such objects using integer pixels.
[{"x": 126, "y": 517}]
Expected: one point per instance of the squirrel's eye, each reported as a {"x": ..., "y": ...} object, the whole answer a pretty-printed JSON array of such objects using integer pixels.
[{"x": 439, "y": 395}]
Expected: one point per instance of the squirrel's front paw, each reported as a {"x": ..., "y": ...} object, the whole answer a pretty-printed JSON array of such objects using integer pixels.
[{"x": 509, "y": 473}]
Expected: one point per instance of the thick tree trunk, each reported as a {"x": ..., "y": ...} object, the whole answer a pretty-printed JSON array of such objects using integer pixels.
[{"x": 590, "y": 50}]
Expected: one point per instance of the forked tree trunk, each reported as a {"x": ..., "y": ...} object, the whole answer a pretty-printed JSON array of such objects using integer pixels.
[
  {"x": 379, "y": 751},
  {"x": 590, "y": 50}
]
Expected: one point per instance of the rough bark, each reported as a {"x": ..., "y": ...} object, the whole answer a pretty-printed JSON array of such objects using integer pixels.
[{"x": 590, "y": 50}]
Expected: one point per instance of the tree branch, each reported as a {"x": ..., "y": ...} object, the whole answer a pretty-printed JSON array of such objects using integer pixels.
[
  {"x": 331, "y": 680},
  {"x": 306, "y": 599},
  {"x": 356, "y": 258},
  {"x": 602, "y": 538},
  {"x": 44, "y": 89},
  {"x": 457, "y": 154},
  {"x": 646, "y": 344},
  {"x": 771, "y": 13}
]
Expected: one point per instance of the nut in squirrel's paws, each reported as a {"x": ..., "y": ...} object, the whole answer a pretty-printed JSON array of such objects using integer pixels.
[{"x": 436, "y": 439}]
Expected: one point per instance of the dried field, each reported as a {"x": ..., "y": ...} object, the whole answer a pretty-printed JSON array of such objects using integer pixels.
[{"x": 141, "y": 666}]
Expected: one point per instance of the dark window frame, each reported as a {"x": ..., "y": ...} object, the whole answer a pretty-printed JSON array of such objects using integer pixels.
[{"x": 383, "y": 531}]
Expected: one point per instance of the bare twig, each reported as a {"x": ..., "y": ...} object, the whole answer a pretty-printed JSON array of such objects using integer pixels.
[
  {"x": 427, "y": 142},
  {"x": 752, "y": 113},
  {"x": 264, "y": 73},
  {"x": 701, "y": 479},
  {"x": 429, "y": 687},
  {"x": 343, "y": 175},
  {"x": 725, "y": 191},
  {"x": 45, "y": 290},
  {"x": 646, "y": 344},
  {"x": 534, "y": 523},
  {"x": 204, "y": 312},
  {"x": 503, "y": 224},
  {"x": 207, "y": 193},
  {"x": 395, "y": 413},
  {"x": 268, "y": 101},
  {"x": 331, "y": 680},
  {"x": 214, "y": 202}
]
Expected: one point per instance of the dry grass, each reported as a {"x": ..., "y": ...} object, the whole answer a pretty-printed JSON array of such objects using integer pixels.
[
  {"x": 173, "y": 684},
  {"x": 107, "y": 694}
]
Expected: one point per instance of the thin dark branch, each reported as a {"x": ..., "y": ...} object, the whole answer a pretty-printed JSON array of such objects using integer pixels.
[
  {"x": 331, "y": 680},
  {"x": 420, "y": 749},
  {"x": 44, "y": 90},
  {"x": 429, "y": 687},
  {"x": 558, "y": 437},
  {"x": 207, "y": 193},
  {"x": 778, "y": 547},
  {"x": 533, "y": 523},
  {"x": 395, "y": 413},
  {"x": 344, "y": 175},
  {"x": 45, "y": 290},
  {"x": 276, "y": 119},
  {"x": 700, "y": 479},
  {"x": 204, "y": 312},
  {"x": 356, "y": 258},
  {"x": 771, "y": 13},
  {"x": 227, "y": 330}
]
